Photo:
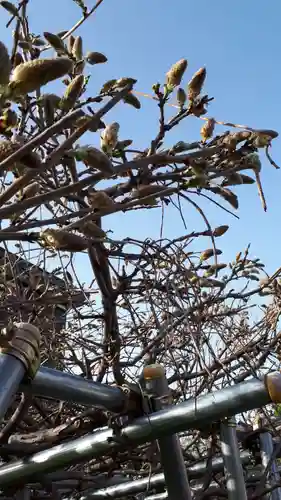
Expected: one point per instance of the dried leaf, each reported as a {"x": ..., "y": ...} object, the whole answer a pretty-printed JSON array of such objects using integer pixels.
[
  {"x": 132, "y": 100},
  {"x": 10, "y": 7},
  {"x": 233, "y": 179},
  {"x": 55, "y": 41},
  {"x": 124, "y": 144},
  {"x": 226, "y": 194}
]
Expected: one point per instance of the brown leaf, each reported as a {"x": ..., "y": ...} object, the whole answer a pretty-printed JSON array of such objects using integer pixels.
[
  {"x": 220, "y": 230},
  {"x": 226, "y": 194}
]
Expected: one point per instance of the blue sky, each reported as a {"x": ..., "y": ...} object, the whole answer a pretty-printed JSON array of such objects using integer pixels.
[{"x": 238, "y": 42}]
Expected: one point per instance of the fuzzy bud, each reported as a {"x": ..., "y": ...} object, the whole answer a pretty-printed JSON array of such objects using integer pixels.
[
  {"x": 100, "y": 200},
  {"x": 108, "y": 86},
  {"x": 29, "y": 76},
  {"x": 31, "y": 190},
  {"x": 196, "y": 83},
  {"x": 77, "y": 48},
  {"x": 92, "y": 230},
  {"x": 208, "y": 129},
  {"x": 175, "y": 74},
  {"x": 5, "y": 65},
  {"x": 95, "y": 159},
  {"x": 181, "y": 97},
  {"x": 95, "y": 58},
  {"x": 59, "y": 239},
  {"x": 123, "y": 82},
  {"x": 72, "y": 93},
  {"x": 109, "y": 137}
]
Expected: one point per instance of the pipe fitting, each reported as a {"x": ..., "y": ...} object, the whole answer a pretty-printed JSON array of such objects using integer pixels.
[
  {"x": 24, "y": 344},
  {"x": 273, "y": 384}
]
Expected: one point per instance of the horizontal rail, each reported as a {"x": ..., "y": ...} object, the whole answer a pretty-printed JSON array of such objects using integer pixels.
[
  {"x": 194, "y": 413},
  {"x": 55, "y": 384}
]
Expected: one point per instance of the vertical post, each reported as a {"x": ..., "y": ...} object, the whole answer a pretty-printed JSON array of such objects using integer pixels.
[
  {"x": 235, "y": 483},
  {"x": 19, "y": 357},
  {"x": 170, "y": 450},
  {"x": 266, "y": 450}
]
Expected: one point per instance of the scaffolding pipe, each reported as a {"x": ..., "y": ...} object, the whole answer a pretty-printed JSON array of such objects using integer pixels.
[
  {"x": 193, "y": 413},
  {"x": 12, "y": 370},
  {"x": 273, "y": 476},
  {"x": 172, "y": 460},
  {"x": 55, "y": 384},
  {"x": 18, "y": 357},
  {"x": 235, "y": 483},
  {"x": 156, "y": 481}
]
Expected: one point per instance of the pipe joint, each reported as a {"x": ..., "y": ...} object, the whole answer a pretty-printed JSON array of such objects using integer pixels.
[
  {"x": 23, "y": 343},
  {"x": 273, "y": 384}
]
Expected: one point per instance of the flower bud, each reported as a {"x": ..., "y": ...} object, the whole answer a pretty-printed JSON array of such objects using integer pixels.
[
  {"x": 95, "y": 159},
  {"x": 77, "y": 48},
  {"x": 5, "y": 65},
  {"x": 100, "y": 200},
  {"x": 181, "y": 97},
  {"x": 59, "y": 239},
  {"x": 208, "y": 129},
  {"x": 175, "y": 74},
  {"x": 95, "y": 58},
  {"x": 109, "y": 137},
  {"x": 196, "y": 83},
  {"x": 29, "y": 76},
  {"x": 72, "y": 93}
]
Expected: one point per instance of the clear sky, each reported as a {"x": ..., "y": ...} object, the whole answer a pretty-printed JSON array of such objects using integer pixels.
[{"x": 238, "y": 42}]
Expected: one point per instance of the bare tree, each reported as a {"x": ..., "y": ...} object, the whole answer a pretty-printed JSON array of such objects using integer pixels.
[{"x": 175, "y": 302}]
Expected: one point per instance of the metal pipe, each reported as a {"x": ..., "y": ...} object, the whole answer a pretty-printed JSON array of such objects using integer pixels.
[
  {"x": 157, "y": 480},
  {"x": 172, "y": 460},
  {"x": 235, "y": 483},
  {"x": 266, "y": 451},
  {"x": 55, "y": 384},
  {"x": 162, "y": 496},
  {"x": 189, "y": 414},
  {"x": 12, "y": 371}
]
